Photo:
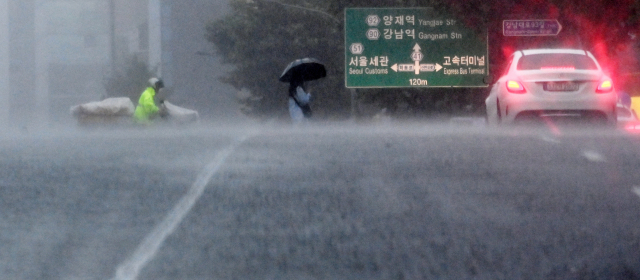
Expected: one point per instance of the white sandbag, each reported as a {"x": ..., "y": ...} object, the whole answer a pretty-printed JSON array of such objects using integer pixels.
[
  {"x": 116, "y": 106},
  {"x": 180, "y": 115}
]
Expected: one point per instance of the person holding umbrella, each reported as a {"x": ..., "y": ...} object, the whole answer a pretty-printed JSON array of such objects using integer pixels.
[
  {"x": 299, "y": 98},
  {"x": 296, "y": 73}
]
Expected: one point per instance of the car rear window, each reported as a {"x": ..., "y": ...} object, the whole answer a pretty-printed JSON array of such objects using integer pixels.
[{"x": 556, "y": 61}]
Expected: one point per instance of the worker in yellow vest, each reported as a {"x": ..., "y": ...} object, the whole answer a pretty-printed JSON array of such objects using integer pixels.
[{"x": 147, "y": 109}]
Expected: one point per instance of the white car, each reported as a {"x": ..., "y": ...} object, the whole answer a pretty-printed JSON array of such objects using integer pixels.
[{"x": 552, "y": 84}]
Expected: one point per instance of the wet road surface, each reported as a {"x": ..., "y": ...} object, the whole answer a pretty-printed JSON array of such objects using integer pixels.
[{"x": 395, "y": 201}]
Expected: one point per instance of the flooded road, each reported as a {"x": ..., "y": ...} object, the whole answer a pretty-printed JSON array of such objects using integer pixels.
[{"x": 395, "y": 201}]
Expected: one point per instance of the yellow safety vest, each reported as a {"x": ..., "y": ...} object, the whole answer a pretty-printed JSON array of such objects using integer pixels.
[{"x": 146, "y": 106}]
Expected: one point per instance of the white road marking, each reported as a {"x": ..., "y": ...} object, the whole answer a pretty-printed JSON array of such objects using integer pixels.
[
  {"x": 636, "y": 190},
  {"x": 550, "y": 139},
  {"x": 593, "y": 156},
  {"x": 146, "y": 251}
]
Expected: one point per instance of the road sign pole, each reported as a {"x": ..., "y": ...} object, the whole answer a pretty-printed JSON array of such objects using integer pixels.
[{"x": 354, "y": 95}]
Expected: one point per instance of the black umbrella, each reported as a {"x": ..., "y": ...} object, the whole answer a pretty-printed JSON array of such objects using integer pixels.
[{"x": 305, "y": 69}]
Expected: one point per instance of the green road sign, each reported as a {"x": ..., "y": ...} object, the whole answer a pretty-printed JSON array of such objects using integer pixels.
[{"x": 412, "y": 47}]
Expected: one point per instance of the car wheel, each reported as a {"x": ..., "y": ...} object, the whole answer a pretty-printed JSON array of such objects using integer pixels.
[
  {"x": 614, "y": 123},
  {"x": 498, "y": 110}
]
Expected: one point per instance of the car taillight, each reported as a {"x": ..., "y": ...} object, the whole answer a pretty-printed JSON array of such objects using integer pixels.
[
  {"x": 605, "y": 86},
  {"x": 515, "y": 87}
]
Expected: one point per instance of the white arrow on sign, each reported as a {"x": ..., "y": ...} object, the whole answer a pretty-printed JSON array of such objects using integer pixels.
[
  {"x": 416, "y": 67},
  {"x": 412, "y": 67}
]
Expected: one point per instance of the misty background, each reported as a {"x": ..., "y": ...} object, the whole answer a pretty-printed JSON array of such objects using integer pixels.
[
  {"x": 58, "y": 53},
  {"x": 55, "y": 54}
]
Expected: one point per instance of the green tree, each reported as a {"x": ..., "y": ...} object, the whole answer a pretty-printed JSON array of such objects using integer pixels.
[{"x": 260, "y": 37}]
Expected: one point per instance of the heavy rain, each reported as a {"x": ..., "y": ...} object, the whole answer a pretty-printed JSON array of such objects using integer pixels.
[{"x": 269, "y": 148}]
